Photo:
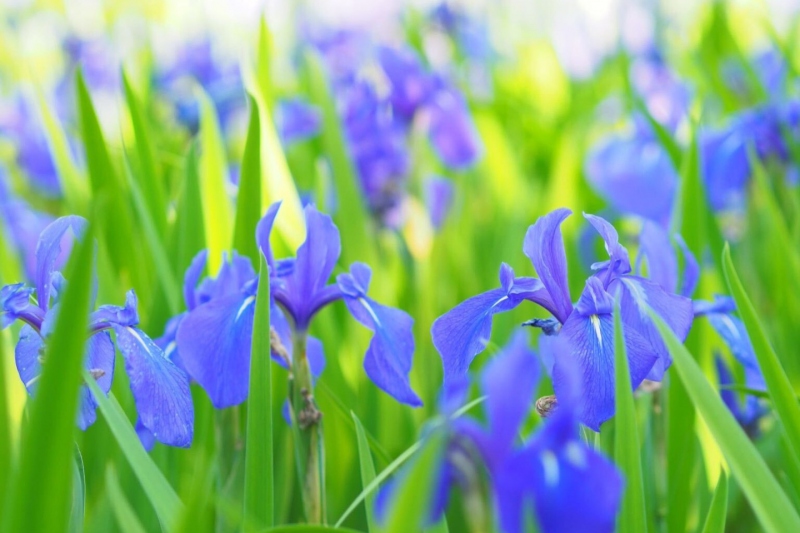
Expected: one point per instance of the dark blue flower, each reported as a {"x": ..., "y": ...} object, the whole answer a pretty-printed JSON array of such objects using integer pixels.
[
  {"x": 213, "y": 338},
  {"x": 581, "y": 335},
  {"x": 160, "y": 389},
  {"x": 553, "y": 474}
]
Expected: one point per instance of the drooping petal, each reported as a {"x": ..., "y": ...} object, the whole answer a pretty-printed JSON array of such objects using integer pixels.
[
  {"x": 568, "y": 485},
  {"x": 160, "y": 389},
  {"x": 619, "y": 263},
  {"x": 145, "y": 435},
  {"x": 100, "y": 363},
  {"x": 638, "y": 295},
  {"x": 29, "y": 355},
  {"x": 15, "y": 303},
  {"x": 721, "y": 304},
  {"x": 733, "y": 332},
  {"x": 507, "y": 406},
  {"x": 390, "y": 352},
  {"x": 49, "y": 248},
  {"x": 214, "y": 344},
  {"x": 587, "y": 343},
  {"x": 545, "y": 248},
  {"x": 439, "y": 194}
]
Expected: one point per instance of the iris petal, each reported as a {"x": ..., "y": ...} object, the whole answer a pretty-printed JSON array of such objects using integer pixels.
[
  {"x": 545, "y": 248},
  {"x": 48, "y": 250},
  {"x": 214, "y": 345},
  {"x": 160, "y": 389},
  {"x": 100, "y": 362}
]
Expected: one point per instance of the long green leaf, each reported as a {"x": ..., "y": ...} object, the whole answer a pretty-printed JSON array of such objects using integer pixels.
[
  {"x": 127, "y": 520},
  {"x": 259, "y": 492},
  {"x": 299, "y": 528},
  {"x": 412, "y": 499},
  {"x": 770, "y": 504},
  {"x": 715, "y": 519},
  {"x": 148, "y": 177},
  {"x": 189, "y": 237},
  {"x": 784, "y": 399},
  {"x": 78, "y": 509},
  {"x": 627, "y": 452},
  {"x": 367, "y": 472},
  {"x": 46, "y": 453},
  {"x": 248, "y": 200},
  {"x": 217, "y": 210},
  {"x": 161, "y": 495},
  {"x": 6, "y": 460}
]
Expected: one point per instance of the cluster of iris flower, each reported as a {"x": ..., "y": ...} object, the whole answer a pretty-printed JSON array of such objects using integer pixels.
[
  {"x": 160, "y": 388},
  {"x": 635, "y": 174},
  {"x": 383, "y": 92}
]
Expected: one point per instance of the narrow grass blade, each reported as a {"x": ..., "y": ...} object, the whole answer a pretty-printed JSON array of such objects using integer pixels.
[
  {"x": 715, "y": 520},
  {"x": 411, "y": 501},
  {"x": 46, "y": 452},
  {"x": 6, "y": 460},
  {"x": 213, "y": 184},
  {"x": 248, "y": 201},
  {"x": 351, "y": 217},
  {"x": 367, "y": 472},
  {"x": 148, "y": 178},
  {"x": 161, "y": 495},
  {"x": 166, "y": 274},
  {"x": 627, "y": 452},
  {"x": 784, "y": 399},
  {"x": 78, "y": 509},
  {"x": 770, "y": 504},
  {"x": 127, "y": 519},
  {"x": 259, "y": 492},
  {"x": 309, "y": 529},
  {"x": 189, "y": 235}
]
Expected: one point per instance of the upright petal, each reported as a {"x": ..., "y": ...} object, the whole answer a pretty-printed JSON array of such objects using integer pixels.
[
  {"x": 192, "y": 276},
  {"x": 214, "y": 344},
  {"x": 48, "y": 250},
  {"x": 108, "y": 315},
  {"x": 264, "y": 229},
  {"x": 619, "y": 262},
  {"x": 588, "y": 344},
  {"x": 662, "y": 265},
  {"x": 691, "y": 269},
  {"x": 160, "y": 389},
  {"x": 545, "y": 248},
  {"x": 452, "y": 132},
  {"x": 15, "y": 303},
  {"x": 388, "y": 358}
]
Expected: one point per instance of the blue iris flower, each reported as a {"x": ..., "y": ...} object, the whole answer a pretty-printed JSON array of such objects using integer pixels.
[
  {"x": 296, "y": 120},
  {"x": 568, "y": 485},
  {"x": 22, "y": 225},
  {"x": 213, "y": 338},
  {"x": 160, "y": 389},
  {"x": 579, "y": 335}
]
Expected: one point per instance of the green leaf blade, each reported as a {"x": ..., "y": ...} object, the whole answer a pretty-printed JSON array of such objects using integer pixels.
[
  {"x": 248, "y": 201},
  {"x": 367, "y": 472}
]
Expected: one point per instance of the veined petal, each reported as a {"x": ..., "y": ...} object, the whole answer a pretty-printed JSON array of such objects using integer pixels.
[
  {"x": 214, "y": 345},
  {"x": 545, "y": 248},
  {"x": 588, "y": 345},
  {"x": 388, "y": 358},
  {"x": 48, "y": 250},
  {"x": 160, "y": 389},
  {"x": 637, "y": 296},
  {"x": 29, "y": 355}
]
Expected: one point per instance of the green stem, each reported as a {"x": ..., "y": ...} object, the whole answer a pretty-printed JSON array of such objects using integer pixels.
[{"x": 307, "y": 430}]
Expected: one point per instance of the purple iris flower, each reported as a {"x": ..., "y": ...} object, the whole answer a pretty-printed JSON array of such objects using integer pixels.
[
  {"x": 213, "y": 338},
  {"x": 725, "y": 156},
  {"x": 23, "y": 226},
  {"x": 579, "y": 335},
  {"x": 439, "y": 194},
  {"x": 296, "y": 120},
  {"x": 567, "y": 485},
  {"x": 160, "y": 389},
  {"x": 222, "y": 82},
  {"x": 19, "y": 124}
]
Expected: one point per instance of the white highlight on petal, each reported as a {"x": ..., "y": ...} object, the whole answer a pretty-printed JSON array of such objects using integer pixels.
[
  {"x": 639, "y": 296},
  {"x": 248, "y": 301},
  {"x": 595, "y": 320},
  {"x": 550, "y": 465},
  {"x": 575, "y": 454},
  {"x": 371, "y": 312}
]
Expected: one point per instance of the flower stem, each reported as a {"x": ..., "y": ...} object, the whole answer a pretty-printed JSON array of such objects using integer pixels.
[{"x": 307, "y": 430}]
